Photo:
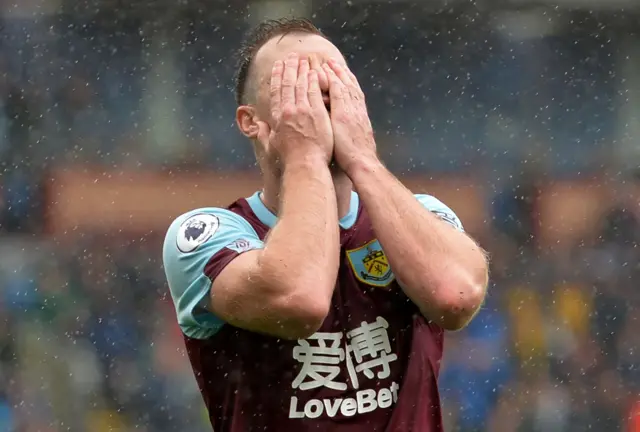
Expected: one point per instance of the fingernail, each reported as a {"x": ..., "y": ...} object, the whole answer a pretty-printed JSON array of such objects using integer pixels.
[{"x": 293, "y": 55}]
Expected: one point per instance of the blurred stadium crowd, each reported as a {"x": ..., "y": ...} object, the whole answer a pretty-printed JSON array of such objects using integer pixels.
[{"x": 86, "y": 341}]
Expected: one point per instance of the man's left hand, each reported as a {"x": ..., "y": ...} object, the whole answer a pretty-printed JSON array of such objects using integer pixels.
[{"x": 353, "y": 134}]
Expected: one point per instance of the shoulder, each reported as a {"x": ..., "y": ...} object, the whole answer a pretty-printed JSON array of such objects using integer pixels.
[
  {"x": 197, "y": 246},
  {"x": 195, "y": 237},
  {"x": 219, "y": 217},
  {"x": 191, "y": 230},
  {"x": 440, "y": 209}
]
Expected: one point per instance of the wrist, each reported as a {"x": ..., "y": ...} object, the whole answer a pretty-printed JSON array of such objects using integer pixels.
[
  {"x": 306, "y": 160},
  {"x": 361, "y": 167},
  {"x": 304, "y": 156}
]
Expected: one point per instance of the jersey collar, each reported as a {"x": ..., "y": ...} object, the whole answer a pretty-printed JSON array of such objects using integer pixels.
[{"x": 269, "y": 219}]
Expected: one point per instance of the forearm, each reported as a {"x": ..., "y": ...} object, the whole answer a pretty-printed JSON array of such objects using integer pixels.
[
  {"x": 441, "y": 269},
  {"x": 285, "y": 288},
  {"x": 304, "y": 246}
]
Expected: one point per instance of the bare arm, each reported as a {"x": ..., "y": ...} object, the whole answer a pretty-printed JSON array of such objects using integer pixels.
[
  {"x": 285, "y": 289},
  {"x": 442, "y": 270}
]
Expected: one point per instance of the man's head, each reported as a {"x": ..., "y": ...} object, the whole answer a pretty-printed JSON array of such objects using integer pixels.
[{"x": 270, "y": 41}]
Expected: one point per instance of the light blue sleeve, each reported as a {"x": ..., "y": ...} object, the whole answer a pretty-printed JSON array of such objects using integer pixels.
[
  {"x": 196, "y": 248},
  {"x": 438, "y": 208}
]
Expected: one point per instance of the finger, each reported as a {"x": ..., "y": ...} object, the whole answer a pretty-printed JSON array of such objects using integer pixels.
[
  {"x": 302, "y": 86},
  {"x": 314, "y": 92},
  {"x": 314, "y": 63},
  {"x": 341, "y": 72},
  {"x": 276, "y": 88},
  {"x": 335, "y": 84},
  {"x": 263, "y": 135},
  {"x": 354, "y": 80},
  {"x": 337, "y": 90},
  {"x": 348, "y": 77},
  {"x": 289, "y": 79}
]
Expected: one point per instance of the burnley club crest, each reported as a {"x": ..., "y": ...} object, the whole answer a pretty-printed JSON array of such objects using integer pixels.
[{"x": 370, "y": 264}]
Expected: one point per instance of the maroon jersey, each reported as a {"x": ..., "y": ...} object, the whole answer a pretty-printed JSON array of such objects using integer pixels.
[{"x": 372, "y": 366}]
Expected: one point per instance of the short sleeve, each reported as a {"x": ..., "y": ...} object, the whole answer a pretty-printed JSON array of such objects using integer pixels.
[
  {"x": 197, "y": 247},
  {"x": 438, "y": 208}
]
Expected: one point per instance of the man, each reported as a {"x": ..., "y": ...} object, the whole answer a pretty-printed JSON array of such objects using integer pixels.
[{"x": 318, "y": 303}]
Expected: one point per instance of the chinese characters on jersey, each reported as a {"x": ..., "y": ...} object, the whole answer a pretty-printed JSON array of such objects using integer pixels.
[{"x": 366, "y": 350}]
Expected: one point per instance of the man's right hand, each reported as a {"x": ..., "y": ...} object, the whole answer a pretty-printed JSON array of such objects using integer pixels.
[{"x": 301, "y": 124}]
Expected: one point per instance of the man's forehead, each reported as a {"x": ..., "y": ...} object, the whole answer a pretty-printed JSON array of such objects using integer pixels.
[{"x": 302, "y": 43}]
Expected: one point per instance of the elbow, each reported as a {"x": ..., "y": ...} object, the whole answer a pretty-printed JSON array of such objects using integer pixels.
[
  {"x": 295, "y": 305},
  {"x": 460, "y": 295},
  {"x": 304, "y": 312},
  {"x": 458, "y": 302}
]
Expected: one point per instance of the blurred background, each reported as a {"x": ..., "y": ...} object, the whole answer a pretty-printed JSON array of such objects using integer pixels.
[{"x": 523, "y": 116}]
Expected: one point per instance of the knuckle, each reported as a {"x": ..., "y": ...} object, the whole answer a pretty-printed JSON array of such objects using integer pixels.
[{"x": 288, "y": 111}]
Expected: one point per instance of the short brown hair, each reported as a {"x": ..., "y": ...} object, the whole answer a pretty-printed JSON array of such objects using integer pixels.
[{"x": 256, "y": 38}]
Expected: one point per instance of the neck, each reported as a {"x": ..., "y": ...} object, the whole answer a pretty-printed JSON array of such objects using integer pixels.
[{"x": 271, "y": 193}]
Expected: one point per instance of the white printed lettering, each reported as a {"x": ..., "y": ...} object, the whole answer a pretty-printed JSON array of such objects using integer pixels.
[
  {"x": 332, "y": 407},
  {"x": 394, "y": 391},
  {"x": 366, "y": 349},
  {"x": 384, "y": 398},
  {"x": 372, "y": 340},
  {"x": 349, "y": 407},
  {"x": 365, "y": 401},
  {"x": 313, "y": 408},
  {"x": 320, "y": 364},
  {"x": 293, "y": 409}
]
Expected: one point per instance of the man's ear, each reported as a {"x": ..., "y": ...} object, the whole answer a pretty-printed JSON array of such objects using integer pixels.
[{"x": 247, "y": 121}]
